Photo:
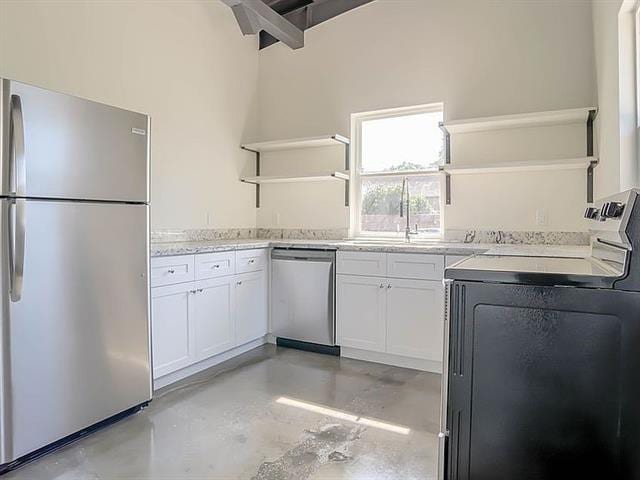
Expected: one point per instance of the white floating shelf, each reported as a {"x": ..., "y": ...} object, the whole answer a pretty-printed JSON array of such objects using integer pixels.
[
  {"x": 316, "y": 177},
  {"x": 521, "y": 120},
  {"x": 530, "y": 166},
  {"x": 294, "y": 143}
]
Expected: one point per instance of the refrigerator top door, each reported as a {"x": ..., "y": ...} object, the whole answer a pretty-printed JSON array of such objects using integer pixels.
[
  {"x": 63, "y": 147},
  {"x": 76, "y": 341}
]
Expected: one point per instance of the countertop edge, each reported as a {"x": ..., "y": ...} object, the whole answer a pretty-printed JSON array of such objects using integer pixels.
[{"x": 195, "y": 248}]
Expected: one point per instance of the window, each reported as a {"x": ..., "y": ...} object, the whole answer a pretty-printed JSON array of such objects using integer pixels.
[{"x": 393, "y": 149}]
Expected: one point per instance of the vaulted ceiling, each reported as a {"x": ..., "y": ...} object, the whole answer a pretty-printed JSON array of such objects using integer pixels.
[{"x": 286, "y": 20}]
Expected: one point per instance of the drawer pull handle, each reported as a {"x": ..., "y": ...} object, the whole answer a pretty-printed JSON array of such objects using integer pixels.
[
  {"x": 192, "y": 292},
  {"x": 252, "y": 260},
  {"x": 200, "y": 290},
  {"x": 171, "y": 270},
  {"x": 216, "y": 266},
  {"x": 382, "y": 285},
  {"x": 389, "y": 286}
]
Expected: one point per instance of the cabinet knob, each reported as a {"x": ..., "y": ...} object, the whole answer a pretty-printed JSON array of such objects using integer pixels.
[
  {"x": 389, "y": 286},
  {"x": 216, "y": 266},
  {"x": 252, "y": 260},
  {"x": 200, "y": 290},
  {"x": 171, "y": 270},
  {"x": 192, "y": 292},
  {"x": 239, "y": 283},
  {"x": 382, "y": 285}
]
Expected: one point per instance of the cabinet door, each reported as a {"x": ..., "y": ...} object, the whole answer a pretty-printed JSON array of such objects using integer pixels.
[
  {"x": 360, "y": 312},
  {"x": 415, "y": 318},
  {"x": 251, "y": 307},
  {"x": 213, "y": 316},
  {"x": 172, "y": 333}
]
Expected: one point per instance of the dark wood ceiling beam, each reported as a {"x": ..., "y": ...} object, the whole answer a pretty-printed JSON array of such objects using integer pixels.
[
  {"x": 308, "y": 14},
  {"x": 255, "y": 15}
]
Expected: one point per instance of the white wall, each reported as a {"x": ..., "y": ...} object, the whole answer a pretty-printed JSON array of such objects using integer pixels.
[
  {"x": 616, "y": 122},
  {"x": 605, "y": 32},
  {"x": 183, "y": 62},
  {"x": 479, "y": 57}
]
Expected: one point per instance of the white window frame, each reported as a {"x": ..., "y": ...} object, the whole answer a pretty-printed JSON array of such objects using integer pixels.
[{"x": 356, "y": 174}]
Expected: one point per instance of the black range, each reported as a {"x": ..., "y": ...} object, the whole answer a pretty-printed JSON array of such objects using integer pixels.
[{"x": 542, "y": 359}]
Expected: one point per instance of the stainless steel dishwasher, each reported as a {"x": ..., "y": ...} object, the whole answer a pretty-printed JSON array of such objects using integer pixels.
[{"x": 303, "y": 299}]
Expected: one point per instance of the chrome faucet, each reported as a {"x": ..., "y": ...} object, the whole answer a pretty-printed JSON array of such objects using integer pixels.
[{"x": 407, "y": 231}]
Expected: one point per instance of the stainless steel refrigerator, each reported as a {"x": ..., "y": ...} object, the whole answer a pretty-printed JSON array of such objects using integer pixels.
[{"x": 74, "y": 294}]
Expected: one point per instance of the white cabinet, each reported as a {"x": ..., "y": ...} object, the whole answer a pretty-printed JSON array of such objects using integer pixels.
[
  {"x": 213, "y": 316},
  {"x": 360, "y": 312},
  {"x": 209, "y": 309},
  {"x": 211, "y": 265},
  {"x": 251, "y": 260},
  {"x": 361, "y": 263},
  {"x": 172, "y": 270},
  {"x": 172, "y": 328},
  {"x": 415, "y": 265},
  {"x": 396, "y": 314},
  {"x": 415, "y": 310},
  {"x": 251, "y": 320}
]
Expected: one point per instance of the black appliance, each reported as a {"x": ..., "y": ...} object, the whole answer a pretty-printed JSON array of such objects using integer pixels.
[{"x": 542, "y": 360}]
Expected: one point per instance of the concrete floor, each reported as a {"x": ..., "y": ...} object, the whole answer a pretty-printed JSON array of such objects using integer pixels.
[{"x": 269, "y": 414}]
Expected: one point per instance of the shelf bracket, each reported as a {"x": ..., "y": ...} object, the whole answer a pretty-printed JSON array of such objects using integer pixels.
[
  {"x": 447, "y": 143},
  {"x": 257, "y": 174},
  {"x": 347, "y": 165},
  {"x": 447, "y": 189},
  {"x": 590, "y": 168},
  {"x": 592, "y": 164}
]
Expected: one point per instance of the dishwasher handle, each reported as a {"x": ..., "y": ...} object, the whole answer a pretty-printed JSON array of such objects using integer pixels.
[{"x": 303, "y": 255}]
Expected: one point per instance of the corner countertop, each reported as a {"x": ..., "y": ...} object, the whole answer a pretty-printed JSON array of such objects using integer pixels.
[{"x": 438, "y": 248}]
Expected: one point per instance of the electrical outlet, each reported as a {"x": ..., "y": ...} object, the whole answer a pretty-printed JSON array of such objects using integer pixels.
[{"x": 542, "y": 217}]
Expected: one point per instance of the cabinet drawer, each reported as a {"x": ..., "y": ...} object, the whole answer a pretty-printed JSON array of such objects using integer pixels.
[
  {"x": 211, "y": 265},
  {"x": 417, "y": 266},
  {"x": 362, "y": 263},
  {"x": 251, "y": 260},
  {"x": 170, "y": 270}
]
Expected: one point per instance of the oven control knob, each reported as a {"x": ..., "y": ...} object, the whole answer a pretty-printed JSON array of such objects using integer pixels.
[
  {"x": 612, "y": 210},
  {"x": 591, "y": 212}
]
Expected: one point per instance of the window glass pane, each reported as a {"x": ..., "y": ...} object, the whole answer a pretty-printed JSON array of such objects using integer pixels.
[
  {"x": 381, "y": 205},
  {"x": 409, "y": 142}
]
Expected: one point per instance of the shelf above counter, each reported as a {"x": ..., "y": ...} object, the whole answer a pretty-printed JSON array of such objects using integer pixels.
[
  {"x": 528, "y": 166},
  {"x": 315, "y": 177},
  {"x": 521, "y": 120},
  {"x": 296, "y": 143}
]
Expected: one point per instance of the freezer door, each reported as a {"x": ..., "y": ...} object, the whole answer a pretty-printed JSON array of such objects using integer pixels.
[
  {"x": 77, "y": 337},
  {"x": 59, "y": 146}
]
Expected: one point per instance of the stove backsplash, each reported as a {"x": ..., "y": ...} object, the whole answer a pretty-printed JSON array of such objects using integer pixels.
[
  {"x": 516, "y": 237},
  {"x": 451, "y": 235}
]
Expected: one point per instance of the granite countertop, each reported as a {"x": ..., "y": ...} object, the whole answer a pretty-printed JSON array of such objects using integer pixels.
[{"x": 441, "y": 248}]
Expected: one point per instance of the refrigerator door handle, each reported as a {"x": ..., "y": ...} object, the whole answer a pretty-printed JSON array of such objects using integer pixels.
[
  {"x": 18, "y": 167},
  {"x": 17, "y": 233}
]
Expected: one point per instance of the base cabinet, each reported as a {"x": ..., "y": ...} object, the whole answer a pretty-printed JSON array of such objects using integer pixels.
[
  {"x": 360, "y": 312},
  {"x": 391, "y": 316},
  {"x": 171, "y": 333},
  {"x": 251, "y": 307},
  {"x": 415, "y": 318},
  {"x": 194, "y": 321},
  {"x": 213, "y": 316}
]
